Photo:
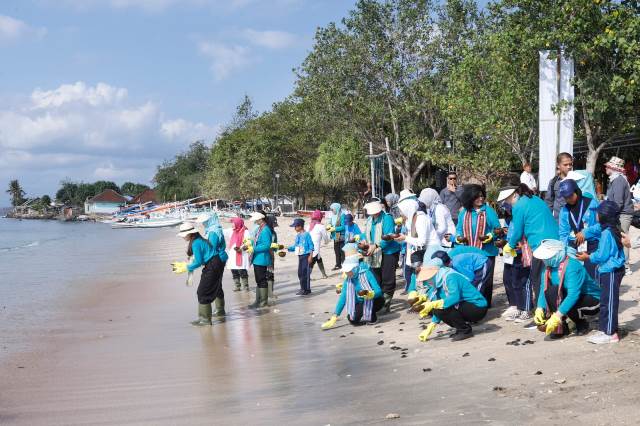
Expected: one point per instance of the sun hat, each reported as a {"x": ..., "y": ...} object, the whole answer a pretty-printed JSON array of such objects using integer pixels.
[
  {"x": 186, "y": 229},
  {"x": 373, "y": 207},
  {"x": 350, "y": 263},
  {"x": 297, "y": 222},
  {"x": 406, "y": 194},
  {"x": 256, "y": 216},
  {"x": 616, "y": 164},
  {"x": 427, "y": 272},
  {"x": 547, "y": 249},
  {"x": 567, "y": 188},
  {"x": 203, "y": 217},
  {"x": 350, "y": 249},
  {"x": 506, "y": 193}
]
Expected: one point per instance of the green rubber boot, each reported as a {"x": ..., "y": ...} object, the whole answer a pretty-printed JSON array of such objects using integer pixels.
[
  {"x": 271, "y": 298},
  {"x": 256, "y": 303},
  {"x": 321, "y": 267},
  {"x": 263, "y": 297},
  {"x": 387, "y": 302},
  {"x": 219, "y": 302},
  {"x": 245, "y": 283},
  {"x": 204, "y": 316},
  {"x": 236, "y": 281}
]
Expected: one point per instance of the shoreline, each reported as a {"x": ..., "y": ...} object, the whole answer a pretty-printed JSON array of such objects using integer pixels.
[{"x": 121, "y": 351}]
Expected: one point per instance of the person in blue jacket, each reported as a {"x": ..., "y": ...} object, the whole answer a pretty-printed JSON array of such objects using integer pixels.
[
  {"x": 359, "y": 291},
  {"x": 578, "y": 213},
  {"x": 533, "y": 222},
  {"x": 476, "y": 224},
  {"x": 609, "y": 257},
  {"x": 468, "y": 261},
  {"x": 336, "y": 228},
  {"x": 383, "y": 251},
  {"x": 566, "y": 290},
  {"x": 352, "y": 232},
  {"x": 213, "y": 233},
  {"x": 262, "y": 258},
  {"x": 451, "y": 299},
  {"x": 303, "y": 248},
  {"x": 203, "y": 254}
]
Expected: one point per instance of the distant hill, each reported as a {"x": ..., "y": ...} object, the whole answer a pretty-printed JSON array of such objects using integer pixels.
[{"x": 5, "y": 210}]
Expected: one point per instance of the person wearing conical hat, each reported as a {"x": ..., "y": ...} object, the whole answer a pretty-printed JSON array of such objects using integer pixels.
[
  {"x": 207, "y": 256},
  {"x": 359, "y": 292},
  {"x": 619, "y": 191}
]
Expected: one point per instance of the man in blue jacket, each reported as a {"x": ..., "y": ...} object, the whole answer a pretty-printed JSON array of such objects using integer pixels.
[
  {"x": 383, "y": 252},
  {"x": 303, "y": 248}
]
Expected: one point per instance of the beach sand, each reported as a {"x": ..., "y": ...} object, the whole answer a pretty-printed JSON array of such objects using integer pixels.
[{"x": 121, "y": 351}]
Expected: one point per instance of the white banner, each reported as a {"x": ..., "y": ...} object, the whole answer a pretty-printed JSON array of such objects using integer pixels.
[{"x": 555, "y": 132}]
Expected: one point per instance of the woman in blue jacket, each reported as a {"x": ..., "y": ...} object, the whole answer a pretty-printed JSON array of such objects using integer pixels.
[
  {"x": 203, "y": 254},
  {"x": 452, "y": 299},
  {"x": 262, "y": 258},
  {"x": 566, "y": 290},
  {"x": 336, "y": 228},
  {"x": 577, "y": 214},
  {"x": 609, "y": 258},
  {"x": 213, "y": 233},
  {"x": 476, "y": 223},
  {"x": 359, "y": 292}
]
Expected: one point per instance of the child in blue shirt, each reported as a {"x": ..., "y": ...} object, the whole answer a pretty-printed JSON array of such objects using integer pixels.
[
  {"x": 303, "y": 247},
  {"x": 609, "y": 257}
]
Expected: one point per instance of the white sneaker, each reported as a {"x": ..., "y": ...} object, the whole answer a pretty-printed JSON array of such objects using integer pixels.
[
  {"x": 601, "y": 338},
  {"x": 627, "y": 271},
  {"x": 523, "y": 317},
  {"x": 509, "y": 311},
  {"x": 513, "y": 315}
]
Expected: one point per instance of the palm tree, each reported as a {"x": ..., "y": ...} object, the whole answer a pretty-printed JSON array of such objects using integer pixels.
[{"x": 16, "y": 192}]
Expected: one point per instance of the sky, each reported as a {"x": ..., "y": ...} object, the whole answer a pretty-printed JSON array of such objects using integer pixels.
[{"x": 108, "y": 89}]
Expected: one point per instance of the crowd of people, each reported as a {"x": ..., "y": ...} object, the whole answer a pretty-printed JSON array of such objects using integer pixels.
[{"x": 564, "y": 257}]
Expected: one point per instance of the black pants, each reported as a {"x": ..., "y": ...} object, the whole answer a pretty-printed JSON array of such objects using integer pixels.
[
  {"x": 585, "y": 306},
  {"x": 261, "y": 275},
  {"x": 337, "y": 250},
  {"x": 357, "y": 316},
  {"x": 388, "y": 273},
  {"x": 519, "y": 280},
  {"x": 460, "y": 317},
  {"x": 210, "y": 287},
  {"x": 304, "y": 273},
  {"x": 537, "y": 266},
  {"x": 316, "y": 259},
  {"x": 239, "y": 273}
]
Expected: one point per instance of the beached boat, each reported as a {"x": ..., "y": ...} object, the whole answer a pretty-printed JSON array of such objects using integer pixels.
[{"x": 147, "y": 223}]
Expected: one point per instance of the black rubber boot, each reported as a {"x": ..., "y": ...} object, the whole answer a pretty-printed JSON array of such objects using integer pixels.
[
  {"x": 204, "y": 316},
  {"x": 462, "y": 335},
  {"x": 245, "y": 283},
  {"x": 219, "y": 302}
]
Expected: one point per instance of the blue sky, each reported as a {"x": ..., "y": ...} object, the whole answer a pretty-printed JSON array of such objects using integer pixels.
[{"x": 107, "y": 89}]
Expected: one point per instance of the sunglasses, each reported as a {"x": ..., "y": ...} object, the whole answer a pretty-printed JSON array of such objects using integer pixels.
[{"x": 452, "y": 178}]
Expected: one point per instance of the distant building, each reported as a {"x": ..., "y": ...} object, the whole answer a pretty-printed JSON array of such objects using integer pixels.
[
  {"x": 107, "y": 202},
  {"x": 146, "y": 196}
]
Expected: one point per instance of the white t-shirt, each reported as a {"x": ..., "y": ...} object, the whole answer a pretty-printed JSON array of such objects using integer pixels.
[
  {"x": 232, "y": 262},
  {"x": 319, "y": 236},
  {"x": 528, "y": 179}
]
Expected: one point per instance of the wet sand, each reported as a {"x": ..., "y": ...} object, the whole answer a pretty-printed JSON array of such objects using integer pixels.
[{"x": 121, "y": 351}]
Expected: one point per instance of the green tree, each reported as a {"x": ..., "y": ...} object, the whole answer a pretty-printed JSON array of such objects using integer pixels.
[
  {"x": 132, "y": 189},
  {"x": 182, "y": 177},
  {"x": 16, "y": 192}
]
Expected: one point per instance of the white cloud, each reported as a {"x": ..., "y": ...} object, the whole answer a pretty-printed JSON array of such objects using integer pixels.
[
  {"x": 89, "y": 132},
  {"x": 225, "y": 58},
  {"x": 12, "y": 29},
  {"x": 270, "y": 39}
]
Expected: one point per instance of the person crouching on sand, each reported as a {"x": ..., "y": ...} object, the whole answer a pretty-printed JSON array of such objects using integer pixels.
[
  {"x": 359, "y": 291},
  {"x": 204, "y": 254},
  {"x": 451, "y": 299}
]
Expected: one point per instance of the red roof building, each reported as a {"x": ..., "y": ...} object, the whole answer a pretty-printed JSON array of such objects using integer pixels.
[{"x": 148, "y": 195}]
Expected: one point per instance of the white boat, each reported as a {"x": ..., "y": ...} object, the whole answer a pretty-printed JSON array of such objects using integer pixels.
[{"x": 147, "y": 223}]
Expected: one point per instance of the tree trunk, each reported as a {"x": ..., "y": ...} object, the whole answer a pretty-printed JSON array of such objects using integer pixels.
[{"x": 592, "y": 157}]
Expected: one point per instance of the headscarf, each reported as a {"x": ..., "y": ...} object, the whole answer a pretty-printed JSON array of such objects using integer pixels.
[
  {"x": 562, "y": 251},
  {"x": 429, "y": 197},
  {"x": 335, "y": 209},
  {"x": 609, "y": 218},
  {"x": 236, "y": 237},
  {"x": 316, "y": 218},
  {"x": 213, "y": 226},
  {"x": 408, "y": 208}
]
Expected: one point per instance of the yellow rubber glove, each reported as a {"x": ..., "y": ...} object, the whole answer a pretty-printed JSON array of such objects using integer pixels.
[
  {"x": 424, "y": 336},
  {"x": 356, "y": 238},
  {"x": 507, "y": 249},
  {"x": 487, "y": 239},
  {"x": 179, "y": 267},
  {"x": 275, "y": 246},
  {"x": 330, "y": 323},
  {"x": 539, "y": 316},
  {"x": 553, "y": 323},
  {"x": 370, "y": 294},
  {"x": 430, "y": 306},
  {"x": 327, "y": 226},
  {"x": 189, "y": 282},
  {"x": 398, "y": 221},
  {"x": 339, "y": 288},
  {"x": 412, "y": 295}
]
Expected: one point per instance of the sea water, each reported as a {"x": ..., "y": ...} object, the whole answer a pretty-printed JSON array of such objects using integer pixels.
[{"x": 44, "y": 262}]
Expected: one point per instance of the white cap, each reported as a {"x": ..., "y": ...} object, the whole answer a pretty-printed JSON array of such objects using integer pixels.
[
  {"x": 373, "y": 207},
  {"x": 575, "y": 175},
  {"x": 548, "y": 248},
  {"x": 256, "y": 216},
  {"x": 186, "y": 229},
  {"x": 505, "y": 193},
  {"x": 406, "y": 194},
  {"x": 350, "y": 263}
]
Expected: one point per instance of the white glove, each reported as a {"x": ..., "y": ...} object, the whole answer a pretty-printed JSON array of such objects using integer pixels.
[{"x": 189, "y": 282}]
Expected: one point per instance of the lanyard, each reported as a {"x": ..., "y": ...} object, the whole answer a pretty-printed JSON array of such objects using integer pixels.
[{"x": 576, "y": 223}]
